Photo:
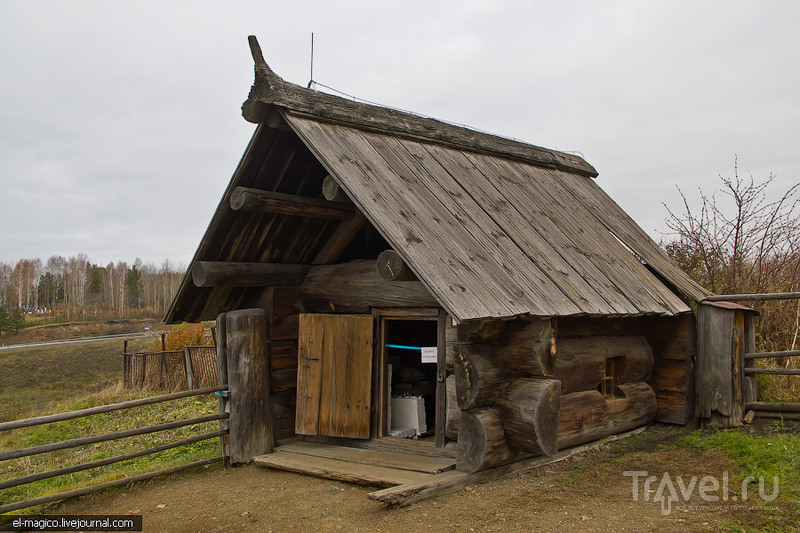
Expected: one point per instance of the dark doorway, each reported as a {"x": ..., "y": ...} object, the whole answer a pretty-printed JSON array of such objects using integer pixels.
[{"x": 410, "y": 376}]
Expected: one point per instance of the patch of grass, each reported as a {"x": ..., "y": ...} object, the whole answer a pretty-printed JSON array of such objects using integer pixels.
[
  {"x": 106, "y": 423},
  {"x": 35, "y": 379},
  {"x": 770, "y": 455},
  {"x": 577, "y": 473},
  {"x": 773, "y": 453}
]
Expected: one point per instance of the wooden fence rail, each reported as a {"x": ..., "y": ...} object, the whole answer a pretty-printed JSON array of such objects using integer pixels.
[
  {"x": 764, "y": 355},
  {"x": 37, "y": 421},
  {"x": 60, "y": 417},
  {"x": 767, "y": 409}
]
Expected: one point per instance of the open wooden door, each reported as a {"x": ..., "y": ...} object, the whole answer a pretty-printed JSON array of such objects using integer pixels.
[{"x": 334, "y": 375}]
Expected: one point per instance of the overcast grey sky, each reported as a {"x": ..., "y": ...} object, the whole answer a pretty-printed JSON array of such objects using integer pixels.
[{"x": 120, "y": 122}]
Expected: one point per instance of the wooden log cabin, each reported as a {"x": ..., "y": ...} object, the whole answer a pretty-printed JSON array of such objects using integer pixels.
[{"x": 365, "y": 234}]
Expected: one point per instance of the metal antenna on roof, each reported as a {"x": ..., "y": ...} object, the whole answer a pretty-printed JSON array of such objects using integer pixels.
[{"x": 311, "y": 79}]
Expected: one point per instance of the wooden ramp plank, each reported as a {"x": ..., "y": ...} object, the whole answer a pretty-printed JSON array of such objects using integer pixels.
[
  {"x": 402, "y": 461},
  {"x": 452, "y": 481},
  {"x": 391, "y": 444},
  {"x": 378, "y": 476}
]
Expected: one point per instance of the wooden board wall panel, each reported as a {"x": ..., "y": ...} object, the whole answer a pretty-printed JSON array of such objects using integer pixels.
[
  {"x": 284, "y": 405},
  {"x": 347, "y": 376},
  {"x": 719, "y": 375},
  {"x": 309, "y": 375},
  {"x": 284, "y": 328},
  {"x": 334, "y": 375}
]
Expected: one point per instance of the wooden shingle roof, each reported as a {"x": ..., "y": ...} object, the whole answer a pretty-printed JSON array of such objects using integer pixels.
[{"x": 493, "y": 227}]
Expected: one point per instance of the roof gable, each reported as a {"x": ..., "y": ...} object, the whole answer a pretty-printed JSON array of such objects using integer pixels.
[{"x": 492, "y": 227}]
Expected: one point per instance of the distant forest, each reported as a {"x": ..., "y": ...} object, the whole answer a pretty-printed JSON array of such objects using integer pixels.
[{"x": 74, "y": 288}]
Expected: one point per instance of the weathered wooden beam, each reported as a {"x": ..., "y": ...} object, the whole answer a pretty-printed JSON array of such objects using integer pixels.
[
  {"x": 586, "y": 416},
  {"x": 453, "y": 411},
  {"x": 222, "y": 375},
  {"x": 753, "y": 297},
  {"x": 441, "y": 372},
  {"x": 583, "y": 417},
  {"x": 102, "y": 486},
  {"x": 251, "y": 427},
  {"x": 391, "y": 267},
  {"x": 526, "y": 347},
  {"x": 763, "y": 355},
  {"x": 355, "y": 287},
  {"x": 108, "y": 408},
  {"x": 773, "y": 371},
  {"x": 270, "y": 89},
  {"x": 276, "y": 121},
  {"x": 332, "y": 192},
  {"x": 341, "y": 238},
  {"x": 247, "y": 199},
  {"x": 232, "y": 274},
  {"x": 778, "y": 415},
  {"x": 789, "y": 407}
]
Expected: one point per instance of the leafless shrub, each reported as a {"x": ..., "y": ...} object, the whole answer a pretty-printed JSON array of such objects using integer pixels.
[{"x": 739, "y": 241}]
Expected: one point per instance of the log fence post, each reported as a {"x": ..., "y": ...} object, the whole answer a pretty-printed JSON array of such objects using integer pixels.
[
  {"x": 189, "y": 370},
  {"x": 251, "y": 431}
]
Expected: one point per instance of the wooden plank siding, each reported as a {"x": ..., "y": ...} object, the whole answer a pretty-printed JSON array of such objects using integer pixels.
[
  {"x": 488, "y": 236},
  {"x": 334, "y": 375}
]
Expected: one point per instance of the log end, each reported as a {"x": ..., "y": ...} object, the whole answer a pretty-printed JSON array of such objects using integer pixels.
[{"x": 481, "y": 441}]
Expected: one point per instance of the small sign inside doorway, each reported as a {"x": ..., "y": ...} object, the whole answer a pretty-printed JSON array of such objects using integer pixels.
[{"x": 429, "y": 354}]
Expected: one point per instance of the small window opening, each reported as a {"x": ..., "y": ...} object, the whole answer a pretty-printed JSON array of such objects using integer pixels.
[{"x": 611, "y": 376}]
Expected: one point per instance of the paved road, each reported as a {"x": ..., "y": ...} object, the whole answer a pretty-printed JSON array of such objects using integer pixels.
[{"x": 81, "y": 339}]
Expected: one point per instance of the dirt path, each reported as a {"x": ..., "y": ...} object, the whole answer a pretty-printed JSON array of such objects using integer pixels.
[{"x": 588, "y": 493}]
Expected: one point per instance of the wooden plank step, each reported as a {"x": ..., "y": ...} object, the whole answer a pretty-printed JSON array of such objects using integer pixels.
[
  {"x": 390, "y": 444},
  {"x": 402, "y": 461},
  {"x": 452, "y": 481},
  {"x": 378, "y": 476}
]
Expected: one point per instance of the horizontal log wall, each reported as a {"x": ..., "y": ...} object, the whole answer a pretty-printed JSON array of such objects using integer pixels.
[
  {"x": 283, "y": 308},
  {"x": 672, "y": 341},
  {"x": 525, "y": 388},
  {"x": 509, "y": 409},
  {"x": 356, "y": 287},
  {"x": 586, "y": 416}
]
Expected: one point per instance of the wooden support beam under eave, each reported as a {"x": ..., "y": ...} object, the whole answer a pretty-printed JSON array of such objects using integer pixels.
[
  {"x": 232, "y": 274},
  {"x": 247, "y": 199},
  {"x": 341, "y": 238}
]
